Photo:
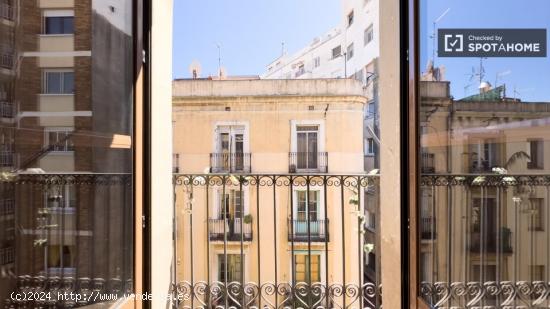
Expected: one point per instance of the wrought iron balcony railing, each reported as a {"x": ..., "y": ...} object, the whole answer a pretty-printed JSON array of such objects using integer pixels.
[
  {"x": 308, "y": 230},
  {"x": 230, "y": 162},
  {"x": 428, "y": 163},
  {"x": 88, "y": 251},
  {"x": 231, "y": 229},
  {"x": 428, "y": 228},
  {"x": 491, "y": 242},
  {"x": 7, "y": 109},
  {"x": 7, "y": 255},
  {"x": 7, "y": 158},
  {"x": 304, "y": 162},
  {"x": 489, "y": 227},
  {"x": 7, "y": 207},
  {"x": 6, "y": 60},
  {"x": 7, "y": 11},
  {"x": 293, "y": 270}
]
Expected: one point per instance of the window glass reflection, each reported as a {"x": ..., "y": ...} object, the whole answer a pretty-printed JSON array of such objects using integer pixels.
[{"x": 485, "y": 174}]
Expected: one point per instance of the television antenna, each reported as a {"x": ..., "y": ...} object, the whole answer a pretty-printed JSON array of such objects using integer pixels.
[
  {"x": 434, "y": 34},
  {"x": 219, "y": 46}
]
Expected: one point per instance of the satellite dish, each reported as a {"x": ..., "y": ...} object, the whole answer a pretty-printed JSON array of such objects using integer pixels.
[
  {"x": 484, "y": 85},
  {"x": 195, "y": 69}
]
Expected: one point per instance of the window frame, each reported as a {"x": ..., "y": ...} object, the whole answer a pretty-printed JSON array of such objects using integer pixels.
[
  {"x": 63, "y": 14},
  {"x": 68, "y": 144},
  {"x": 62, "y": 81},
  {"x": 349, "y": 51},
  {"x": 368, "y": 35}
]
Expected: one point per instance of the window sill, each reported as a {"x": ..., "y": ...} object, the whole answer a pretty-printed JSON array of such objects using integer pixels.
[
  {"x": 61, "y": 153},
  {"x": 65, "y": 210},
  {"x": 56, "y": 35},
  {"x": 55, "y": 94}
]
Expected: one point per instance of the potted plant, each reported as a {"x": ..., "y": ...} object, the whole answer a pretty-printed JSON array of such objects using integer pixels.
[{"x": 247, "y": 219}]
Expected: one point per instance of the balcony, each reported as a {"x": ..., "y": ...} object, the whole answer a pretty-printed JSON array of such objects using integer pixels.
[
  {"x": 482, "y": 166},
  {"x": 6, "y": 158},
  {"x": 317, "y": 232},
  {"x": 6, "y": 60},
  {"x": 316, "y": 162},
  {"x": 427, "y": 228},
  {"x": 7, "y": 109},
  {"x": 230, "y": 162},
  {"x": 489, "y": 243},
  {"x": 428, "y": 163},
  {"x": 7, "y": 256},
  {"x": 7, "y": 207},
  {"x": 230, "y": 229},
  {"x": 7, "y": 11}
]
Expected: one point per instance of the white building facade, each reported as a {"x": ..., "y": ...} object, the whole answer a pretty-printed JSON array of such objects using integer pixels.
[{"x": 350, "y": 50}]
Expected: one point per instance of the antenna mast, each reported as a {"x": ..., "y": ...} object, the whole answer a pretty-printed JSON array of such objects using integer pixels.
[{"x": 434, "y": 34}]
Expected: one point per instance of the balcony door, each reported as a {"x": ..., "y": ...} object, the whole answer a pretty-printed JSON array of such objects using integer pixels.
[
  {"x": 307, "y": 147},
  {"x": 230, "y": 148},
  {"x": 307, "y": 211}
]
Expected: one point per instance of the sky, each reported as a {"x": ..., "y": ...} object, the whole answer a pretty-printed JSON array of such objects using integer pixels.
[
  {"x": 250, "y": 32},
  {"x": 530, "y": 77}
]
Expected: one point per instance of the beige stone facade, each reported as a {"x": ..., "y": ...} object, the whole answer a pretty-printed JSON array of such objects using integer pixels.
[
  {"x": 503, "y": 228},
  {"x": 266, "y": 122}
]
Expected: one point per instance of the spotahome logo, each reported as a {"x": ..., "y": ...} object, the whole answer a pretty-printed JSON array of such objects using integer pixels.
[{"x": 492, "y": 43}]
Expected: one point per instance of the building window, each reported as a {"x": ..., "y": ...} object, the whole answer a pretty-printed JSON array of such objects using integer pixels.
[
  {"x": 536, "y": 210},
  {"x": 350, "y": 51},
  {"x": 59, "y": 22},
  {"x": 336, "y": 51},
  {"x": 537, "y": 273},
  {"x": 307, "y": 147},
  {"x": 175, "y": 163},
  {"x": 61, "y": 196},
  {"x": 230, "y": 150},
  {"x": 306, "y": 270},
  {"x": 369, "y": 34},
  {"x": 301, "y": 70},
  {"x": 59, "y": 139},
  {"x": 370, "y": 146},
  {"x": 316, "y": 62},
  {"x": 536, "y": 154},
  {"x": 350, "y": 18},
  {"x": 231, "y": 205},
  {"x": 307, "y": 204},
  {"x": 60, "y": 257},
  {"x": 370, "y": 110},
  {"x": 231, "y": 272},
  {"x": 58, "y": 82},
  {"x": 371, "y": 220}
]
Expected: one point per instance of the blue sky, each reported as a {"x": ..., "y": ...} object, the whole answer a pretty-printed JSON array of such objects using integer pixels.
[
  {"x": 250, "y": 32},
  {"x": 529, "y": 76}
]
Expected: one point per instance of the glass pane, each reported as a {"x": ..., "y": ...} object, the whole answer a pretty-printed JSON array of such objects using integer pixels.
[
  {"x": 68, "y": 25},
  {"x": 68, "y": 82},
  {"x": 483, "y": 118},
  {"x": 54, "y": 25},
  {"x": 303, "y": 123},
  {"x": 53, "y": 82},
  {"x": 66, "y": 164}
]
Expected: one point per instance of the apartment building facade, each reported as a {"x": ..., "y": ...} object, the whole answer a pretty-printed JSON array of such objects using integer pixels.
[
  {"x": 350, "y": 50},
  {"x": 486, "y": 220},
  {"x": 252, "y": 200},
  {"x": 69, "y": 145},
  {"x": 7, "y": 129}
]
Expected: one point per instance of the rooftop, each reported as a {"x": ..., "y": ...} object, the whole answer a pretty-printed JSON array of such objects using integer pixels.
[{"x": 267, "y": 87}]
